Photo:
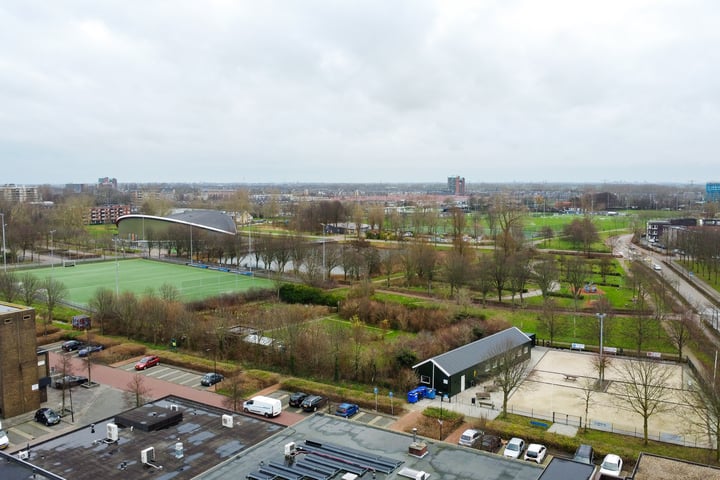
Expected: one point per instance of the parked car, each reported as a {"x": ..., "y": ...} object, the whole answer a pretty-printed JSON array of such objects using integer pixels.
[
  {"x": 470, "y": 437},
  {"x": 313, "y": 402},
  {"x": 211, "y": 379},
  {"x": 266, "y": 406},
  {"x": 585, "y": 454},
  {"x": 490, "y": 443},
  {"x": 147, "y": 362},
  {"x": 71, "y": 345},
  {"x": 611, "y": 465},
  {"x": 88, "y": 349},
  {"x": 69, "y": 381},
  {"x": 347, "y": 410},
  {"x": 514, "y": 448},
  {"x": 297, "y": 398},
  {"x": 47, "y": 416},
  {"x": 535, "y": 453}
]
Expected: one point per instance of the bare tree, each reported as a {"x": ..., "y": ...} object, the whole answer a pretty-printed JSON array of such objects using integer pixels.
[
  {"x": 105, "y": 306},
  {"x": 457, "y": 268},
  {"x": 9, "y": 288},
  {"x": 66, "y": 368},
  {"x": 679, "y": 330},
  {"x": 601, "y": 363},
  {"x": 703, "y": 400},
  {"x": 582, "y": 231},
  {"x": 550, "y": 320},
  {"x": 510, "y": 370},
  {"x": 545, "y": 275},
  {"x": 137, "y": 391},
  {"x": 29, "y": 288},
  {"x": 55, "y": 292},
  {"x": 576, "y": 272},
  {"x": 233, "y": 386},
  {"x": 388, "y": 259},
  {"x": 588, "y": 388},
  {"x": 645, "y": 389}
]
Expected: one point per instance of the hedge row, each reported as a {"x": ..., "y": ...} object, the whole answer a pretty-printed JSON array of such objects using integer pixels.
[{"x": 297, "y": 293}]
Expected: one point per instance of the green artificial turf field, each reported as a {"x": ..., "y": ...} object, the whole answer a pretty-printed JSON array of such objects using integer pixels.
[{"x": 140, "y": 276}]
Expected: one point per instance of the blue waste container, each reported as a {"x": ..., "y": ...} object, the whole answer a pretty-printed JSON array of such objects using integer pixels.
[
  {"x": 430, "y": 393},
  {"x": 412, "y": 396}
]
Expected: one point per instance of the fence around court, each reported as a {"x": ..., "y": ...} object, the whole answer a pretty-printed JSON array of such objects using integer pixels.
[{"x": 699, "y": 440}]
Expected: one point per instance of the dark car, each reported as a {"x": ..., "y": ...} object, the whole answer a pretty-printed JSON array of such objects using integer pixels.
[
  {"x": 71, "y": 345},
  {"x": 147, "y": 362},
  {"x": 297, "y": 398},
  {"x": 88, "y": 349},
  {"x": 490, "y": 443},
  {"x": 47, "y": 416},
  {"x": 313, "y": 402},
  {"x": 347, "y": 410},
  {"x": 585, "y": 454},
  {"x": 69, "y": 381},
  {"x": 211, "y": 379}
]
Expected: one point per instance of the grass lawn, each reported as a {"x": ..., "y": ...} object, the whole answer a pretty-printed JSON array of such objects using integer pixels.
[{"x": 139, "y": 276}]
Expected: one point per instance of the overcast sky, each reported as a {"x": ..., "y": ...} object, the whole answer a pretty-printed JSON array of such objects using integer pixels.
[{"x": 359, "y": 91}]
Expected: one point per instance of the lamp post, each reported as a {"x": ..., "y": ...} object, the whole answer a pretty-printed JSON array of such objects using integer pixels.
[
  {"x": 441, "y": 415},
  {"x": 207, "y": 350},
  {"x": 601, "y": 317},
  {"x": 3, "y": 234},
  {"x": 52, "y": 248}
]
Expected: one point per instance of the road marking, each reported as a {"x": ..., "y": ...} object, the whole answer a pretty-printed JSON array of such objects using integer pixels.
[
  {"x": 21, "y": 433},
  {"x": 171, "y": 372},
  {"x": 155, "y": 371},
  {"x": 190, "y": 380},
  {"x": 375, "y": 420}
]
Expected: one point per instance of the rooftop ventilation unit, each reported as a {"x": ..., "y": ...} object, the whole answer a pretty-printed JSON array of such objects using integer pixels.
[
  {"x": 147, "y": 455},
  {"x": 111, "y": 435},
  {"x": 290, "y": 449},
  {"x": 23, "y": 454},
  {"x": 227, "y": 421},
  {"x": 174, "y": 408}
]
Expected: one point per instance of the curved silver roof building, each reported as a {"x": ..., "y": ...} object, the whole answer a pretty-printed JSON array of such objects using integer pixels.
[{"x": 209, "y": 220}]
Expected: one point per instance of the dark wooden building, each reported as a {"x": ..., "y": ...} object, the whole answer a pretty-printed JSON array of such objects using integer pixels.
[{"x": 453, "y": 372}]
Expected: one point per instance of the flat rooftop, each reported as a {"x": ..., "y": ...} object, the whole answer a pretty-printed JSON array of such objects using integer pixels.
[
  {"x": 85, "y": 454},
  {"x": 329, "y": 447},
  {"x": 12, "y": 308},
  {"x": 653, "y": 467},
  {"x": 352, "y": 440}
]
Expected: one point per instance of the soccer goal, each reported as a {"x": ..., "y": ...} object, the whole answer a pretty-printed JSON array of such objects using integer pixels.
[{"x": 69, "y": 263}]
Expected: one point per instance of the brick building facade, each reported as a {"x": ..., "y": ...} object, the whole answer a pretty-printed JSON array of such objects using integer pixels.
[{"x": 19, "y": 385}]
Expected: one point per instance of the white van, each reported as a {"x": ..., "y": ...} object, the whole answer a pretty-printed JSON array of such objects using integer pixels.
[{"x": 267, "y": 406}]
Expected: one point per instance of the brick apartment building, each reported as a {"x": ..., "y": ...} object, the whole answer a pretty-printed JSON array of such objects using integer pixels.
[
  {"x": 106, "y": 214},
  {"x": 20, "y": 390}
]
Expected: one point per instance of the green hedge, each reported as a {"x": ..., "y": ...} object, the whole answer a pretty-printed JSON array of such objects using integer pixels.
[{"x": 297, "y": 293}]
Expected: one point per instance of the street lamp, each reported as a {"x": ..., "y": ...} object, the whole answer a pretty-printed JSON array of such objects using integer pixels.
[
  {"x": 3, "y": 234},
  {"x": 601, "y": 317},
  {"x": 52, "y": 248}
]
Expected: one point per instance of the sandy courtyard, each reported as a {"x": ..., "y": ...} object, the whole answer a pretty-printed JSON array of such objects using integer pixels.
[{"x": 557, "y": 383}]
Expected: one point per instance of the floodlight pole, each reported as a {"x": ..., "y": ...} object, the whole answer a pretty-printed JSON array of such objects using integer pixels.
[
  {"x": 3, "y": 234},
  {"x": 52, "y": 248}
]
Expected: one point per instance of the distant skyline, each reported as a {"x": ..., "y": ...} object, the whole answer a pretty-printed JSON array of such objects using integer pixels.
[{"x": 404, "y": 91}]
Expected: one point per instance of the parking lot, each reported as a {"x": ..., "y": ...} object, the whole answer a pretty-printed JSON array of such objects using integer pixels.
[{"x": 176, "y": 375}]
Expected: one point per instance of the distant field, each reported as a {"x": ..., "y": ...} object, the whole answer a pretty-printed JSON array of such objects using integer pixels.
[{"x": 139, "y": 276}]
